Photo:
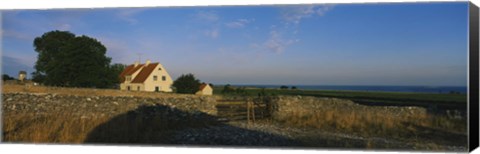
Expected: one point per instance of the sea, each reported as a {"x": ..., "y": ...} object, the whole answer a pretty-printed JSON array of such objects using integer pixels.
[{"x": 416, "y": 89}]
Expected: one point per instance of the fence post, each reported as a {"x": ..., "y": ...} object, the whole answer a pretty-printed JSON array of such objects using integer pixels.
[
  {"x": 248, "y": 112},
  {"x": 252, "y": 105}
]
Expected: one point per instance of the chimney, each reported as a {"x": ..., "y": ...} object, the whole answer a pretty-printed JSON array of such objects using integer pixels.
[
  {"x": 147, "y": 62},
  {"x": 136, "y": 64}
]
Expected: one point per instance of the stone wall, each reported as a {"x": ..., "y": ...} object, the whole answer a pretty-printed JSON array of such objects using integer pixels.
[
  {"x": 114, "y": 105},
  {"x": 285, "y": 105},
  {"x": 99, "y": 105}
]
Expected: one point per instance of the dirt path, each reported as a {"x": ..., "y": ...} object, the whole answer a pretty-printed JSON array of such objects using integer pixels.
[{"x": 275, "y": 135}]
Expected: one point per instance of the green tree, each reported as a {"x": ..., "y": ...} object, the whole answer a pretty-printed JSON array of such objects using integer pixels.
[
  {"x": 74, "y": 61},
  {"x": 38, "y": 77},
  {"x": 7, "y": 77},
  {"x": 283, "y": 87},
  {"x": 186, "y": 84},
  {"x": 115, "y": 70}
]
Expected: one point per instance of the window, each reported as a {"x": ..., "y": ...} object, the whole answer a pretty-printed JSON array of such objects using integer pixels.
[
  {"x": 159, "y": 68},
  {"x": 128, "y": 78},
  {"x": 154, "y": 78},
  {"x": 164, "y": 78},
  {"x": 128, "y": 88},
  {"x": 138, "y": 88}
]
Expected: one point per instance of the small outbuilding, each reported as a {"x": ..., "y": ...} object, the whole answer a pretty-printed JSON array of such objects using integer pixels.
[
  {"x": 204, "y": 89},
  {"x": 22, "y": 75}
]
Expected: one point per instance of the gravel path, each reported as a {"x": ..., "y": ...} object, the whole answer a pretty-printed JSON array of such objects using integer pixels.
[
  {"x": 231, "y": 135},
  {"x": 239, "y": 133}
]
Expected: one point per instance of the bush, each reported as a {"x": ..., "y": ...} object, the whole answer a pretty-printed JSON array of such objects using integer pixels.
[
  {"x": 186, "y": 84},
  {"x": 7, "y": 77}
]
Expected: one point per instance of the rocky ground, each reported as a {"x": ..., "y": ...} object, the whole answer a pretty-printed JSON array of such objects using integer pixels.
[{"x": 268, "y": 134}]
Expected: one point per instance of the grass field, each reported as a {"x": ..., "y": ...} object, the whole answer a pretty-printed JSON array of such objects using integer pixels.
[{"x": 446, "y": 101}]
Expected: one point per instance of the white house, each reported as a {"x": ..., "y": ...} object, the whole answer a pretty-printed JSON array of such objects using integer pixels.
[
  {"x": 146, "y": 77},
  {"x": 204, "y": 89}
]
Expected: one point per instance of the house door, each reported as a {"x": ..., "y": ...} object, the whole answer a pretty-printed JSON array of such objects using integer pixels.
[{"x": 157, "y": 88}]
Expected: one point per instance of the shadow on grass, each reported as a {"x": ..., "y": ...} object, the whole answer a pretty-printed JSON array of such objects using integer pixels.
[{"x": 159, "y": 124}]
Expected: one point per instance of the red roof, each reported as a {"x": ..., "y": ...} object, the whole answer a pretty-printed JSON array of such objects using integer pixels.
[
  {"x": 202, "y": 86},
  {"x": 129, "y": 70},
  {"x": 144, "y": 73}
]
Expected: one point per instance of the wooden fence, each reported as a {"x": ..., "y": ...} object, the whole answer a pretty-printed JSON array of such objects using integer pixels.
[{"x": 244, "y": 109}]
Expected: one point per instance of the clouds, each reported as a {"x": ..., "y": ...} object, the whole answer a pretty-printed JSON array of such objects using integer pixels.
[
  {"x": 321, "y": 11},
  {"x": 281, "y": 37},
  {"x": 207, "y": 16},
  {"x": 240, "y": 23},
  {"x": 276, "y": 43},
  {"x": 213, "y": 24},
  {"x": 208, "y": 23},
  {"x": 128, "y": 15},
  {"x": 213, "y": 33},
  {"x": 295, "y": 14}
]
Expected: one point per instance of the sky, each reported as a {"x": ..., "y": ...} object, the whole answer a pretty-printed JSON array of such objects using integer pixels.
[{"x": 344, "y": 44}]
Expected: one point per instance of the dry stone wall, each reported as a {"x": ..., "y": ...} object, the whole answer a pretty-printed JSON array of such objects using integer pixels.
[
  {"x": 285, "y": 105},
  {"x": 99, "y": 105},
  {"x": 282, "y": 106}
]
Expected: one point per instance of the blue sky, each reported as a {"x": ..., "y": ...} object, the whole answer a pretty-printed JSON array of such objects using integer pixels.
[{"x": 344, "y": 44}]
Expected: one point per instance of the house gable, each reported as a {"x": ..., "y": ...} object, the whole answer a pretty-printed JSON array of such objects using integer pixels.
[
  {"x": 129, "y": 70},
  {"x": 144, "y": 73},
  {"x": 146, "y": 77}
]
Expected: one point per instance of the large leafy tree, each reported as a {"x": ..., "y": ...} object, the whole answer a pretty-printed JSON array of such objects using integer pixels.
[
  {"x": 73, "y": 61},
  {"x": 186, "y": 84},
  {"x": 50, "y": 55}
]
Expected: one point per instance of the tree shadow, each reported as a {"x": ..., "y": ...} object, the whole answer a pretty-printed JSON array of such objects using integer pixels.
[{"x": 160, "y": 124}]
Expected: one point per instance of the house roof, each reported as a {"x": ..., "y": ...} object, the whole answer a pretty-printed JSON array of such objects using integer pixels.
[
  {"x": 202, "y": 86},
  {"x": 129, "y": 70},
  {"x": 144, "y": 73}
]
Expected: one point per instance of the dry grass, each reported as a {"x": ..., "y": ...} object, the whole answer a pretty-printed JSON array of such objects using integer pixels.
[
  {"x": 413, "y": 128},
  {"x": 146, "y": 124},
  {"x": 48, "y": 128}
]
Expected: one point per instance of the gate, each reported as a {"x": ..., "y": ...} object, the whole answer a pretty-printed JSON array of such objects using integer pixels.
[{"x": 250, "y": 109}]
